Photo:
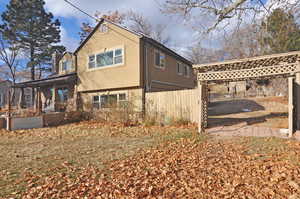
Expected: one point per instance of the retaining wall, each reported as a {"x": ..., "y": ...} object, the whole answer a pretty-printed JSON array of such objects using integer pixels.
[{"x": 26, "y": 123}]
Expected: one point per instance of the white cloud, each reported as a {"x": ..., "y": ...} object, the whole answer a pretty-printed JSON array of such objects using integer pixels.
[
  {"x": 180, "y": 34},
  {"x": 69, "y": 42},
  {"x": 62, "y": 9}
]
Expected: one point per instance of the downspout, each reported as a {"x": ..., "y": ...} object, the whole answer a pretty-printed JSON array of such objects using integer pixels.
[
  {"x": 146, "y": 67},
  {"x": 145, "y": 74}
]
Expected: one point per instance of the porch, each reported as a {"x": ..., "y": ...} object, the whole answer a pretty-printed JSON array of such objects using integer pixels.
[{"x": 52, "y": 94}]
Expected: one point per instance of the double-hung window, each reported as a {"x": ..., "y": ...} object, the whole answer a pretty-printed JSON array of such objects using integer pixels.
[
  {"x": 108, "y": 58},
  {"x": 160, "y": 59}
]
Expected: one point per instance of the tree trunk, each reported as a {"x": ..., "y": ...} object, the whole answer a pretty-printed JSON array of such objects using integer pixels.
[{"x": 32, "y": 65}]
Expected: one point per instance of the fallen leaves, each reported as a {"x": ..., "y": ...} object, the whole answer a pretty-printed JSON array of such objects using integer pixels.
[{"x": 182, "y": 169}]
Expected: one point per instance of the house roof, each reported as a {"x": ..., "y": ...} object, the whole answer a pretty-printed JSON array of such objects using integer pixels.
[
  {"x": 56, "y": 79},
  {"x": 141, "y": 35}
]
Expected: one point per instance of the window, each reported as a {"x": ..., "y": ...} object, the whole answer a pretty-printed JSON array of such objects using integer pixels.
[
  {"x": 179, "y": 68},
  {"x": 105, "y": 59},
  {"x": 122, "y": 100},
  {"x": 92, "y": 61},
  {"x": 66, "y": 65},
  {"x": 109, "y": 58},
  {"x": 160, "y": 59},
  {"x": 63, "y": 94},
  {"x": 1, "y": 99},
  {"x": 96, "y": 102},
  {"x": 109, "y": 101},
  {"x": 186, "y": 71},
  {"x": 118, "y": 58}
]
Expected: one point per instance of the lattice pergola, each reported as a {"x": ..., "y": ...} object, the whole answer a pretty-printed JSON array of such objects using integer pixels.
[{"x": 286, "y": 65}]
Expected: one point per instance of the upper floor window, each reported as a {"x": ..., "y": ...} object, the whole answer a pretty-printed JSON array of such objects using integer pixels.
[
  {"x": 179, "y": 68},
  {"x": 160, "y": 59},
  {"x": 66, "y": 65},
  {"x": 108, "y": 58},
  {"x": 92, "y": 61},
  {"x": 186, "y": 71}
]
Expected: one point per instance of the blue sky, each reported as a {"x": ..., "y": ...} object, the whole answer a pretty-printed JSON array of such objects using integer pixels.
[{"x": 70, "y": 18}]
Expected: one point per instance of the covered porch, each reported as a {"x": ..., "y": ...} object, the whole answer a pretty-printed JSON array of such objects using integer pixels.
[{"x": 52, "y": 94}]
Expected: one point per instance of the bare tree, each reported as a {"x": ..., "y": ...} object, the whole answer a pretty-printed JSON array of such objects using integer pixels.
[
  {"x": 8, "y": 55},
  {"x": 137, "y": 22},
  {"x": 199, "y": 55},
  {"x": 245, "y": 42},
  {"x": 211, "y": 14}
]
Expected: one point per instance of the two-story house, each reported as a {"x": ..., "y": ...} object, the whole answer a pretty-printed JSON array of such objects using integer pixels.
[{"x": 115, "y": 64}]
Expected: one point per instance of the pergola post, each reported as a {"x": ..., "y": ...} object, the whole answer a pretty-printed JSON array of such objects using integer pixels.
[
  {"x": 291, "y": 106},
  {"x": 202, "y": 120},
  {"x": 297, "y": 100}
]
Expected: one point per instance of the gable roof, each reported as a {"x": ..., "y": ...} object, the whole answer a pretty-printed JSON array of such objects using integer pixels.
[
  {"x": 142, "y": 36},
  {"x": 95, "y": 29}
]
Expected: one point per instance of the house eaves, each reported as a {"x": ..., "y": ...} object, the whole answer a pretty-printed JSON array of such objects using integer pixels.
[{"x": 96, "y": 28}]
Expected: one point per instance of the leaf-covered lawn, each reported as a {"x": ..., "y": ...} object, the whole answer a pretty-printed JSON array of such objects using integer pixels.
[
  {"x": 45, "y": 152},
  {"x": 171, "y": 163}
]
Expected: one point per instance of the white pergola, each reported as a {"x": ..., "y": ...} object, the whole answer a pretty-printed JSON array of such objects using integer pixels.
[{"x": 285, "y": 65}]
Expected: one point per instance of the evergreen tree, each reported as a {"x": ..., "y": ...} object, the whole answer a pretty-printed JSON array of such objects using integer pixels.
[
  {"x": 281, "y": 33},
  {"x": 33, "y": 30}
]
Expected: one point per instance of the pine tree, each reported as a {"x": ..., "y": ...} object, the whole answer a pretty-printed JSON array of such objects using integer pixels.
[
  {"x": 33, "y": 30},
  {"x": 281, "y": 33}
]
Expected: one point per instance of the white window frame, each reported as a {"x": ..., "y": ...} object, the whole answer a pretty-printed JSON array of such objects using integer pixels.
[
  {"x": 107, "y": 94},
  {"x": 114, "y": 56},
  {"x": 165, "y": 59}
]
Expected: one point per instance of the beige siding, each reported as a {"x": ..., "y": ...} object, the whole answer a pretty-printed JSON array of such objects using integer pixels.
[
  {"x": 134, "y": 96},
  {"x": 166, "y": 79},
  {"x": 122, "y": 76},
  {"x": 67, "y": 57},
  {"x": 181, "y": 104}
]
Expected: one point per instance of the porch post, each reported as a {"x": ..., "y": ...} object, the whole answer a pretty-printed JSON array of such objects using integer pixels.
[
  {"x": 21, "y": 98},
  {"x": 291, "y": 106},
  {"x": 54, "y": 97}
]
